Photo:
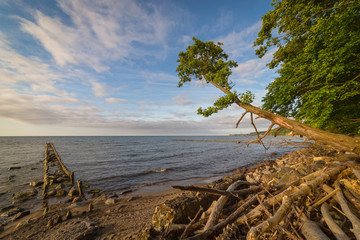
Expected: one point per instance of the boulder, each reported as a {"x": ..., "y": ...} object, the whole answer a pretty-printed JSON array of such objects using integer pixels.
[{"x": 26, "y": 194}]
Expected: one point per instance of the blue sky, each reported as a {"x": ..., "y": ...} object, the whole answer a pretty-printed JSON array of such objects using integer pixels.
[{"x": 88, "y": 67}]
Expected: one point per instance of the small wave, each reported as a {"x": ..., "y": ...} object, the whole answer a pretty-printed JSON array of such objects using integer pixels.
[
  {"x": 130, "y": 176},
  {"x": 161, "y": 170}
]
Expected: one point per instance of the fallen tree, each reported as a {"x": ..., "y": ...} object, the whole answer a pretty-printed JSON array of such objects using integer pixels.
[{"x": 207, "y": 61}]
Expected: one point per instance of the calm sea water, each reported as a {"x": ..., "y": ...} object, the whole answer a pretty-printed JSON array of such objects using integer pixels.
[{"x": 142, "y": 164}]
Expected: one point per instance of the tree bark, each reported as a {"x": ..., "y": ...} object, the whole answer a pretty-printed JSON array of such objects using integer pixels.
[{"x": 337, "y": 141}]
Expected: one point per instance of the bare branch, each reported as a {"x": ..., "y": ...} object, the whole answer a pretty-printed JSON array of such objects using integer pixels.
[
  {"x": 241, "y": 192},
  {"x": 276, "y": 130},
  {"x": 259, "y": 138},
  {"x": 188, "y": 227},
  {"x": 237, "y": 124}
]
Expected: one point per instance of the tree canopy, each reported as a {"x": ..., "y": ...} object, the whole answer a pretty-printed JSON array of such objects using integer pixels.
[
  {"x": 207, "y": 61},
  {"x": 318, "y": 60}
]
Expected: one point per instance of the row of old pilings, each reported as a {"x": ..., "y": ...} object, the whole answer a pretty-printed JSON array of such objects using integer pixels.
[{"x": 61, "y": 175}]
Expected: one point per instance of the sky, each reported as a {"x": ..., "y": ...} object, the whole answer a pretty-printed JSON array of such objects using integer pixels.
[{"x": 104, "y": 68}]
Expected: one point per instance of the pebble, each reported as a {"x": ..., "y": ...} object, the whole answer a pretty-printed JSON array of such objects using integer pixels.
[
  {"x": 110, "y": 201},
  {"x": 26, "y": 194},
  {"x": 36, "y": 183},
  {"x": 11, "y": 178},
  {"x": 60, "y": 193}
]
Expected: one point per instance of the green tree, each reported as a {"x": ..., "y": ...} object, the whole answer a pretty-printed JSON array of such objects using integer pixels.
[
  {"x": 318, "y": 60},
  {"x": 207, "y": 61}
]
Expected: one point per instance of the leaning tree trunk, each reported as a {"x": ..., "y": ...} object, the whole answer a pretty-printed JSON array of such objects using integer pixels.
[{"x": 337, "y": 141}]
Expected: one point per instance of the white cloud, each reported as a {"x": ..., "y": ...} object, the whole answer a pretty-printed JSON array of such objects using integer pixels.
[
  {"x": 100, "y": 31},
  {"x": 236, "y": 43},
  {"x": 100, "y": 89},
  {"x": 115, "y": 100},
  {"x": 160, "y": 78},
  {"x": 23, "y": 72},
  {"x": 180, "y": 100},
  {"x": 250, "y": 71}
]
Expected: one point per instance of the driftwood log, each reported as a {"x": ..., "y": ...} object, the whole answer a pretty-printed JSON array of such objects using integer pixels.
[
  {"x": 335, "y": 229},
  {"x": 287, "y": 202},
  {"x": 294, "y": 208}
]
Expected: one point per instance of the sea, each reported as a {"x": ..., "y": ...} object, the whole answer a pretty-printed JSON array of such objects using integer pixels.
[{"x": 133, "y": 164}]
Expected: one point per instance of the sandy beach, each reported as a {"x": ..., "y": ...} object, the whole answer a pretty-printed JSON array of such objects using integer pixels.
[{"x": 117, "y": 218}]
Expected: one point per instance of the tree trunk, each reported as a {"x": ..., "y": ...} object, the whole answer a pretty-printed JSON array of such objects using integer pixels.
[{"x": 337, "y": 141}]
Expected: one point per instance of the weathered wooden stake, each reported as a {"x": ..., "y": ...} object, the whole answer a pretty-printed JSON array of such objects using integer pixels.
[
  {"x": 79, "y": 183},
  {"x": 46, "y": 177}
]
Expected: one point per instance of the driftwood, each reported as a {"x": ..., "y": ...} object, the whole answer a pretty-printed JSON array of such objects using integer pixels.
[
  {"x": 335, "y": 229},
  {"x": 79, "y": 184},
  {"x": 296, "y": 211},
  {"x": 327, "y": 197},
  {"x": 192, "y": 222},
  {"x": 227, "y": 221},
  {"x": 304, "y": 189},
  {"x": 311, "y": 230},
  {"x": 214, "y": 216},
  {"x": 220, "y": 192},
  {"x": 344, "y": 206}
]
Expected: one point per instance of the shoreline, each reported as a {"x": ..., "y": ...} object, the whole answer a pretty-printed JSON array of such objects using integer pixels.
[{"x": 123, "y": 216}]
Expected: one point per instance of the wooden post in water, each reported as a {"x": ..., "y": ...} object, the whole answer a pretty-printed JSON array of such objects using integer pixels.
[
  {"x": 46, "y": 177},
  {"x": 66, "y": 171},
  {"x": 79, "y": 183}
]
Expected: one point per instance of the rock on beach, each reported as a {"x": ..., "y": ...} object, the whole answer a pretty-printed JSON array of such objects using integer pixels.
[{"x": 26, "y": 194}]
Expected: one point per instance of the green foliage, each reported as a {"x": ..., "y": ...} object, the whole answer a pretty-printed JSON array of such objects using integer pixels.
[
  {"x": 208, "y": 61},
  {"x": 318, "y": 60}
]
